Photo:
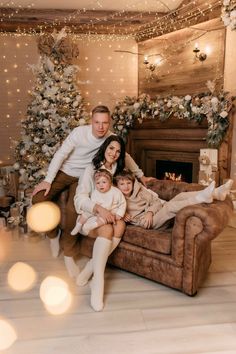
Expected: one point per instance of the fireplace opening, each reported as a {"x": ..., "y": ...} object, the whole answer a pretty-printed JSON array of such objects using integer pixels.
[{"x": 174, "y": 170}]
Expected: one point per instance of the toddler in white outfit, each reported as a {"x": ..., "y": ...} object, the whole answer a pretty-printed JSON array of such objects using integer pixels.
[{"x": 106, "y": 195}]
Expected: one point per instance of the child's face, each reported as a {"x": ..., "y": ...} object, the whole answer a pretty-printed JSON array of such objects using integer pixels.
[
  {"x": 103, "y": 184},
  {"x": 126, "y": 186}
]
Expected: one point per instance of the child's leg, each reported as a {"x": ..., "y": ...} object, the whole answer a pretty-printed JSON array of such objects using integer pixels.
[
  {"x": 92, "y": 223},
  {"x": 170, "y": 208},
  {"x": 221, "y": 192},
  {"x": 81, "y": 220}
]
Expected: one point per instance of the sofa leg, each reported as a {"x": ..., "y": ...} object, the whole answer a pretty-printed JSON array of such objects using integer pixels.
[{"x": 192, "y": 295}]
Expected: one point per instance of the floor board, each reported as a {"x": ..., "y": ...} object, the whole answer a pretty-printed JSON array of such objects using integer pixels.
[{"x": 140, "y": 316}]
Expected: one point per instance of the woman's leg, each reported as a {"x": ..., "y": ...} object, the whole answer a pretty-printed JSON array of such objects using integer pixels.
[
  {"x": 101, "y": 251},
  {"x": 87, "y": 272}
]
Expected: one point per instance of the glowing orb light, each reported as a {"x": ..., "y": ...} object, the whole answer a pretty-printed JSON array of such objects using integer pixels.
[
  {"x": 53, "y": 291},
  {"x": 43, "y": 217},
  {"x": 7, "y": 335},
  {"x": 21, "y": 276},
  {"x": 62, "y": 307}
]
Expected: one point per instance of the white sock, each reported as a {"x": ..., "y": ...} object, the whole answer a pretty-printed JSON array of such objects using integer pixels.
[
  {"x": 221, "y": 192},
  {"x": 55, "y": 245},
  {"x": 87, "y": 272},
  {"x": 76, "y": 229},
  {"x": 101, "y": 251},
  {"x": 206, "y": 195},
  {"x": 71, "y": 266}
]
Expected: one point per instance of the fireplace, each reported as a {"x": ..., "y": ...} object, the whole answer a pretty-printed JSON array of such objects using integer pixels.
[
  {"x": 176, "y": 141},
  {"x": 174, "y": 170}
]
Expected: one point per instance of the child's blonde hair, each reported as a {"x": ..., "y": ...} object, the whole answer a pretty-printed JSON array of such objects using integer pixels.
[
  {"x": 125, "y": 174},
  {"x": 102, "y": 172}
]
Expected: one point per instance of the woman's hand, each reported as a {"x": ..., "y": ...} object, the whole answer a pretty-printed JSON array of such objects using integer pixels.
[
  {"x": 127, "y": 217},
  {"x": 105, "y": 214},
  {"x": 42, "y": 186},
  {"x": 147, "y": 220},
  {"x": 144, "y": 180}
]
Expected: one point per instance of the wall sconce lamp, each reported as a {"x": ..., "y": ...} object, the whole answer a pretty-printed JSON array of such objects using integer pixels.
[
  {"x": 152, "y": 66},
  {"x": 200, "y": 56}
]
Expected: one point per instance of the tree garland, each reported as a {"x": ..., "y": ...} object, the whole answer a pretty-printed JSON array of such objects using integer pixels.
[{"x": 214, "y": 108}]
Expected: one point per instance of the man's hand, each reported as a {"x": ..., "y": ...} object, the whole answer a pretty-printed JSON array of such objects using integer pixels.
[
  {"x": 147, "y": 220},
  {"x": 105, "y": 214},
  {"x": 42, "y": 186},
  {"x": 144, "y": 180}
]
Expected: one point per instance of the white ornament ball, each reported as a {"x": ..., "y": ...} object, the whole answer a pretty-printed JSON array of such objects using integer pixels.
[
  {"x": 22, "y": 152},
  {"x": 45, "y": 148},
  {"x": 75, "y": 104},
  {"x": 43, "y": 217},
  {"x": 46, "y": 122},
  {"x": 45, "y": 103},
  {"x": 22, "y": 171},
  {"x": 16, "y": 165},
  {"x": 31, "y": 159}
]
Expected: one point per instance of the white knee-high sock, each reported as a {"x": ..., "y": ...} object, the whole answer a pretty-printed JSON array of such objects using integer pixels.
[
  {"x": 87, "y": 272},
  {"x": 101, "y": 251},
  {"x": 221, "y": 192},
  {"x": 71, "y": 266},
  {"x": 55, "y": 245}
]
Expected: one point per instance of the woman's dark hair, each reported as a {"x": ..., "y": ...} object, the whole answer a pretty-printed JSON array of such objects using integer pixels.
[{"x": 100, "y": 155}]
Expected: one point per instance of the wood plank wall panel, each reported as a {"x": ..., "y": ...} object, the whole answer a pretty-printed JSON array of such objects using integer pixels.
[{"x": 179, "y": 72}]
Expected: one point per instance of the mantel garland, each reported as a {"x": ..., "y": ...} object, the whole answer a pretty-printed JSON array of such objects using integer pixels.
[{"x": 214, "y": 108}]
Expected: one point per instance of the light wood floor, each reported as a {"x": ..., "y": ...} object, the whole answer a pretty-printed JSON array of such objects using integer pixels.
[{"x": 140, "y": 316}]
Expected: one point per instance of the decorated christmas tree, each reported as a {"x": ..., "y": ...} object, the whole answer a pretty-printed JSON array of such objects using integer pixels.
[{"x": 56, "y": 107}]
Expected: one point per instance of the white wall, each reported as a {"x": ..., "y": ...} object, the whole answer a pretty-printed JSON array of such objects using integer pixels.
[{"x": 230, "y": 85}]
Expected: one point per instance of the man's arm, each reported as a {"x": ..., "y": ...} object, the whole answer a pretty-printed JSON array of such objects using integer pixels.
[
  {"x": 56, "y": 163},
  {"x": 134, "y": 168},
  {"x": 61, "y": 155}
]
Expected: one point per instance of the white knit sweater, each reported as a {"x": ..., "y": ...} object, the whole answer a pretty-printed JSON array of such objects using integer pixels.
[{"x": 77, "y": 152}]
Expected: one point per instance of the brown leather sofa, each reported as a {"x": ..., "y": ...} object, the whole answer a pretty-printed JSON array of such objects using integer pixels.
[{"x": 177, "y": 255}]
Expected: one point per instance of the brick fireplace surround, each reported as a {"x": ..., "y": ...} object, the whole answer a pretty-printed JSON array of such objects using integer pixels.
[{"x": 175, "y": 140}]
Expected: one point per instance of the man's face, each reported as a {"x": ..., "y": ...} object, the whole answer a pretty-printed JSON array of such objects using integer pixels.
[
  {"x": 126, "y": 186},
  {"x": 100, "y": 124}
]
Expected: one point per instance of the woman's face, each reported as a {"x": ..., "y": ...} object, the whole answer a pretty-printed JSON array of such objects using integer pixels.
[{"x": 112, "y": 152}]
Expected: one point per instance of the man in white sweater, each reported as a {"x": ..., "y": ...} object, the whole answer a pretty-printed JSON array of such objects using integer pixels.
[{"x": 65, "y": 169}]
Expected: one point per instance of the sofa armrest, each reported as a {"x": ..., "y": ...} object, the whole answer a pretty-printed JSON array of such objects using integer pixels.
[
  {"x": 201, "y": 222},
  {"x": 192, "y": 233},
  {"x": 169, "y": 189}
]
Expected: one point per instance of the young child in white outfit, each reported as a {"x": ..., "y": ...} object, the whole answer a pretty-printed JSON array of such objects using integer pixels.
[
  {"x": 106, "y": 195},
  {"x": 146, "y": 209}
]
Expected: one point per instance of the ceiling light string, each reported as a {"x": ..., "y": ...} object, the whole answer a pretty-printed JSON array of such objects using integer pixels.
[{"x": 163, "y": 29}]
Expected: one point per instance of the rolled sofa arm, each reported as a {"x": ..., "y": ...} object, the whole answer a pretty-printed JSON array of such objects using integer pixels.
[
  {"x": 192, "y": 233},
  {"x": 204, "y": 221}
]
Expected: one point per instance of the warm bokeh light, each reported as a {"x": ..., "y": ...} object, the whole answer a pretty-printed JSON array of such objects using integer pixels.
[
  {"x": 62, "y": 307},
  {"x": 54, "y": 292},
  {"x": 7, "y": 335},
  {"x": 21, "y": 277},
  {"x": 43, "y": 217}
]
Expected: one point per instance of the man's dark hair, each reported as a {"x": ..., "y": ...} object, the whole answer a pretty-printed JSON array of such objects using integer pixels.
[{"x": 101, "y": 109}]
